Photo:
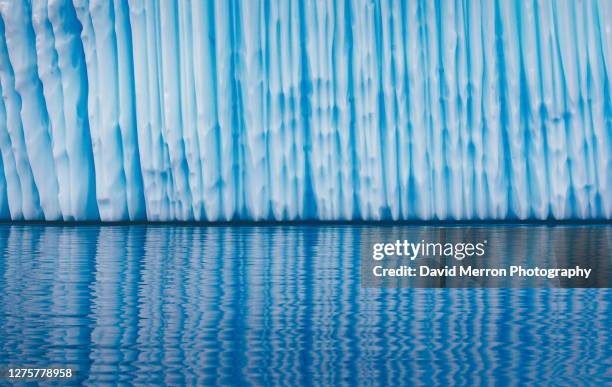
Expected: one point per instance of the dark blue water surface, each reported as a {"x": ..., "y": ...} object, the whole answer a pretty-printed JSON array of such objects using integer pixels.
[{"x": 274, "y": 305}]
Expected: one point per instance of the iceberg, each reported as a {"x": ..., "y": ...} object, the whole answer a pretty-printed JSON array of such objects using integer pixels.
[{"x": 119, "y": 110}]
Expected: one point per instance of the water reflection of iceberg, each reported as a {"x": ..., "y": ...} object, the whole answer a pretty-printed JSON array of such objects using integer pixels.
[{"x": 231, "y": 305}]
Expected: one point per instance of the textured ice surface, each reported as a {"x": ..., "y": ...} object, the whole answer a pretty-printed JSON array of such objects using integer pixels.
[{"x": 279, "y": 109}]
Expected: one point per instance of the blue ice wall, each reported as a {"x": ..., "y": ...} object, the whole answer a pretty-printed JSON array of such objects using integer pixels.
[{"x": 279, "y": 109}]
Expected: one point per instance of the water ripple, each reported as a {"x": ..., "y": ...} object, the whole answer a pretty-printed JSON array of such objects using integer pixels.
[{"x": 275, "y": 306}]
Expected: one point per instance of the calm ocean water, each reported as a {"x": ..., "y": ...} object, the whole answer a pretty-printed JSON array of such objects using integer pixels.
[{"x": 274, "y": 305}]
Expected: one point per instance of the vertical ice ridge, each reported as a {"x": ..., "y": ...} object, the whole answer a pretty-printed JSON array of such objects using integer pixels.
[
  {"x": 403, "y": 88},
  {"x": 9, "y": 167},
  {"x": 22, "y": 53},
  {"x": 494, "y": 157},
  {"x": 451, "y": 132},
  {"x": 169, "y": 203},
  {"x": 173, "y": 126},
  {"x": 50, "y": 77},
  {"x": 474, "y": 62},
  {"x": 601, "y": 131},
  {"x": 559, "y": 174},
  {"x": 530, "y": 122},
  {"x": 4, "y": 200},
  {"x": 29, "y": 205},
  {"x": 329, "y": 110},
  {"x": 226, "y": 132},
  {"x": 565, "y": 109},
  {"x": 240, "y": 168},
  {"x": 78, "y": 148},
  {"x": 143, "y": 124},
  {"x": 268, "y": 109},
  {"x": 420, "y": 183},
  {"x": 115, "y": 184},
  {"x": 294, "y": 172},
  {"x": 93, "y": 111},
  {"x": 252, "y": 77},
  {"x": 385, "y": 119},
  {"x": 594, "y": 185},
  {"x": 398, "y": 91},
  {"x": 461, "y": 78},
  {"x": 275, "y": 111},
  {"x": 358, "y": 114},
  {"x": 189, "y": 109},
  {"x": 206, "y": 107},
  {"x": 126, "y": 113},
  {"x": 305, "y": 108},
  {"x": 313, "y": 69},
  {"x": 159, "y": 193},
  {"x": 517, "y": 170},
  {"x": 342, "y": 117},
  {"x": 604, "y": 157}
]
